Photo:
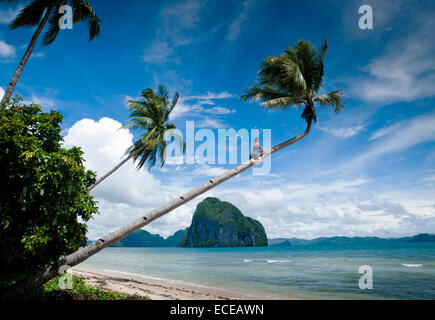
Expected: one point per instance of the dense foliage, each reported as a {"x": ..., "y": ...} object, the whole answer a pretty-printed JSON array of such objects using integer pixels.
[
  {"x": 80, "y": 291},
  {"x": 44, "y": 192},
  {"x": 219, "y": 223}
]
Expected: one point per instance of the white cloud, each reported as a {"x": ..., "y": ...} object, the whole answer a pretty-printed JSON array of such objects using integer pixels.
[
  {"x": 341, "y": 207},
  {"x": 345, "y": 133},
  {"x": 219, "y": 110},
  {"x": 395, "y": 138},
  {"x": 197, "y": 107},
  {"x": 177, "y": 21},
  {"x": 6, "y": 16},
  {"x": 104, "y": 145},
  {"x": 208, "y": 122},
  {"x": 211, "y": 96},
  {"x": 237, "y": 24},
  {"x": 37, "y": 55},
  {"x": 405, "y": 72},
  {"x": 415, "y": 131},
  {"x": 46, "y": 102},
  {"x": 158, "y": 52},
  {"x": 209, "y": 171},
  {"x": 2, "y": 93},
  {"x": 384, "y": 131},
  {"x": 127, "y": 193},
  {"x": 6, "y": 51}
]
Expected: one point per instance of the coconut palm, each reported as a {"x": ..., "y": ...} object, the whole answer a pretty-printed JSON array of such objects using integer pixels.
[
  {"x": 293, "y": 78},
  {"x": 150, "y": 113},
  {"x": 39, "y": 13}
]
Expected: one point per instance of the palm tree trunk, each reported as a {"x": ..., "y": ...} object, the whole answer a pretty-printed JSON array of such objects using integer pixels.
[
  {"x": 26, "y": 56},
  {"x": 84, "y": 253},
  {"x": 118, "y": 166}
]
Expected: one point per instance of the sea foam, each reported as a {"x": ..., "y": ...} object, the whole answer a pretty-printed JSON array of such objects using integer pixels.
[
  {"x": 278, "y": 261},
  {"x": 408, "y": 265}
]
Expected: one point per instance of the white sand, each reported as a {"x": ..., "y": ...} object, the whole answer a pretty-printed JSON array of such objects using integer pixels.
[{"x": 158, "y": 289}]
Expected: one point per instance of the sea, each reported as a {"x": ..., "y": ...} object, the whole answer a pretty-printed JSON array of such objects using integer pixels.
[{"x": 384, "y": 272}]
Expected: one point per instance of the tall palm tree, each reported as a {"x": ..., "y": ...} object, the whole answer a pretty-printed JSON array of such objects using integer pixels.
[
  {"x": 293, "y": 78},
  {"x": 38, "y": 13},
  {"x": 151, "y": 113}
]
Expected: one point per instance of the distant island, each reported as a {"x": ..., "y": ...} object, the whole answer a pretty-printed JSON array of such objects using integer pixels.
[
  {"x": 142, "y": 238},
  {"x": 217, "y": 223},
  {"x": 351, "y": 241}
]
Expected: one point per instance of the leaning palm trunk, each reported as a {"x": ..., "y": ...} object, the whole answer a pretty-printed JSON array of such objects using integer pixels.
[
  {"x": 117, "y": 167},
  {"x": 93, "y": 248},
  {"x": 26, "y": 56}
]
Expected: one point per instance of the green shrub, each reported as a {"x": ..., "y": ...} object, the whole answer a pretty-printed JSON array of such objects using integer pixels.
[
  {"x": 79, "y": 286},
  {"x": 44, "y": 196}
]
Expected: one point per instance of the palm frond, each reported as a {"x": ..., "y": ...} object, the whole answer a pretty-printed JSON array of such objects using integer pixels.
[
  {"x": 173, "y": 103},
  {"x": 53, "y": 22},
  {"x": 162, "y": 151},
  {"x": 150, "y": 114},
  {"x": 82, "y": 10},
  {"x": 281, "y": 103},
  {"x": 333, "y": 99},
  {"x": 30, "y": 15}
]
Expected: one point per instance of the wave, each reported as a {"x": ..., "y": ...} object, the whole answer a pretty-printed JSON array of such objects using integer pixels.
[
  {"x": 247, "y": 260},
  {"x": 278, "y": 261},
  {"x": 133, "y": 274},
  {"x": 138, "y": 275},
  {"x": 409, "y": 265}
]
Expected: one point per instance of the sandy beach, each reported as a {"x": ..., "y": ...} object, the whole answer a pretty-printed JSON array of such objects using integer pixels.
[{"x": 158, "y": 289}]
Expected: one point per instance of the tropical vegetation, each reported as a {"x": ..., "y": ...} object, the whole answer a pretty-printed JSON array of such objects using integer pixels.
[{"x": 44, "y": 198}]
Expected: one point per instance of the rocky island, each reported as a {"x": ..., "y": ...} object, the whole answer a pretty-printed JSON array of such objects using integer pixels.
[{"x": 217, "y": 223}]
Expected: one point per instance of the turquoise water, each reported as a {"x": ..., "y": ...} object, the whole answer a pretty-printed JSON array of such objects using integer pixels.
[{"x": 332, "y": 273}]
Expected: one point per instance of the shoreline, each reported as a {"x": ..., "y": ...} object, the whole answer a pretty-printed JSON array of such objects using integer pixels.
[{"x": 163, "y": 289}]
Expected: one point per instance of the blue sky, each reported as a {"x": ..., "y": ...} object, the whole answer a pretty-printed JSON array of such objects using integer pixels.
[{"x": 366, "y": 172}]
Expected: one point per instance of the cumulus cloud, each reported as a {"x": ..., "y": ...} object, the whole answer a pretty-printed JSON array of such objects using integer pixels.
[
  {"x": 2, "y": 93},
  {"x": 104, "y": 145},
  {"x": 7, "y": 51},
  {"x": 125, "y": 194},
  {"x": 345, "y": 133},
  {"x": 330, "y": 209}
]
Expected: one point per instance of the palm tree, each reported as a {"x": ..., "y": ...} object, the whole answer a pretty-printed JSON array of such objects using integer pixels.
[
  {"x": 38, "y": 13},
  {"x": 293, "y": 78},
  {"x": 151, "y": 113}
]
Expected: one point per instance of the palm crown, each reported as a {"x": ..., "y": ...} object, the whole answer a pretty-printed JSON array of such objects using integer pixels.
[
  {"x": 33, "y": 13},
  {"x": 151, "y": 113},
  {"x": 293, "y": 79}
]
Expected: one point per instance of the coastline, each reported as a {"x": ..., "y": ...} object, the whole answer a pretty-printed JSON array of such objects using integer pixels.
[{"x": 162, "y": 289}]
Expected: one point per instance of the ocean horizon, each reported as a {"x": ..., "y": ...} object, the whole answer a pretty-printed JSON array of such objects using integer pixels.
[{"x": 399, "y": 272}]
